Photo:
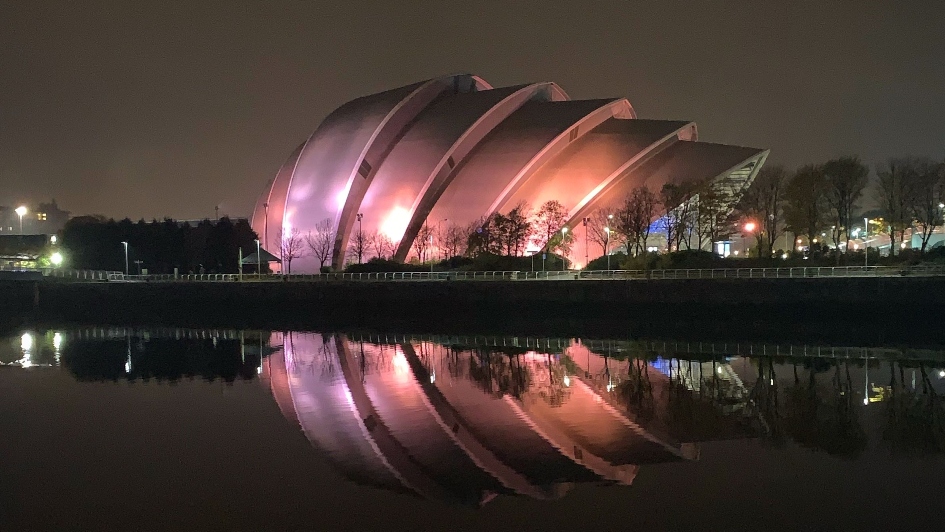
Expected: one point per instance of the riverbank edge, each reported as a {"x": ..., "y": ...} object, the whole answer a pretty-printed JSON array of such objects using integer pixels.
[{"x": 875, "y": 310}]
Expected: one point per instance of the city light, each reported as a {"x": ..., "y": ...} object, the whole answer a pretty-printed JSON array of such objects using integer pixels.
[
  {"x": 26, "y": 341},
  {"x": 57, "y": 340},
  {"x": 750, "y": 227},
  {"x": 56, "y": 259}
]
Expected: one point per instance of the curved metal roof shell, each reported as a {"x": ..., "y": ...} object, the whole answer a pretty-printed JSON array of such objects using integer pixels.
[{"x": 456, "y": 149}]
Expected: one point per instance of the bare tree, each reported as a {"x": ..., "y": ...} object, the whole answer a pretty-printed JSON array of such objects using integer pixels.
[
  {"x": 359, "y": 245},
  {"x": 291, "y": 246},
  {"x": 676, "y": 202},
  {"x": 423, "y": 241},
  {"x": 321, "y": 240},
  {"x": 896, "y": 185},
  {"x": 598, "y": 225},
  {"x": 805, "y": 206},
  {"x": 764, "y": 201},
  {"x": 549, "y": 219},
  {"x": 452, "y": 238},
  {"x": 846, "y": 179},
  {"x": 928, "y": 198},
  {"x": 381, "y": 244}
]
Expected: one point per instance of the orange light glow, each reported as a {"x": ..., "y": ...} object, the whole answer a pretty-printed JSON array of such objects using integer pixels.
[
  {"x": 395, "y": 224},
  {"x": 750, "y": 227}
]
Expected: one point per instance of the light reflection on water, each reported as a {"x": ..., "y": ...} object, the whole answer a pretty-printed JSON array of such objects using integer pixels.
[{"x": 466, "y": 419}]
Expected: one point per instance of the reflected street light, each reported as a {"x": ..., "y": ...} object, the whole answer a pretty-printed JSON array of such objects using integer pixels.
[
  {"x": 21, "y": 211},
  {"x": 125, "y": 243}
]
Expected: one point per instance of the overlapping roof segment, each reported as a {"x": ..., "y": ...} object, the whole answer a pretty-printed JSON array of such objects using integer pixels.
[{"x": 454, "y": 148}]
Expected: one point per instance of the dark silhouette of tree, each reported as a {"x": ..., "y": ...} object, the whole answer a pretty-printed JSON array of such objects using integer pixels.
[
  {"x": 549, "y": 219},
  {"x": 895, "y": 191},
  {"x": 452, "y": 239},
  {"x": 676, "y": 203},
  {"x": 382, "y": 245},
  {"x": 291, "y": 246},
  {"x": 93, "y": 242},
  {"x": 804, "y": 202},
  {"x": 359, "y": 245},
  {"x": 423, "y": 241},
  {"x": 321, "y": 240},
  {"x": 598, "y": 224},
  {"x": 763, "y": 204},
  {"x": 928, "y": 195},
  {"x": 633, "y": 218},
  {"x": 846, "y": 179}
]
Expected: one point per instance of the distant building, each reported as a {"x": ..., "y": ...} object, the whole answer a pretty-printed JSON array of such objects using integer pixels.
[{"x": 39, "y": 219}]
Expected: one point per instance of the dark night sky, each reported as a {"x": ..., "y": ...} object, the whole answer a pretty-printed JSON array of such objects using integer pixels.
[{"x": 150, "y": 109}]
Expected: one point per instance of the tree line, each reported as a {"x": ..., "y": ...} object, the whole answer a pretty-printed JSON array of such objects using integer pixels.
[
  {"x": 820, "y": 200},
  {"x": 95, "y": 243}
]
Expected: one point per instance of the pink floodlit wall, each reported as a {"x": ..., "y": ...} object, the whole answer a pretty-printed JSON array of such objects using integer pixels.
[
  {"x": 267, "y": 218},
  {"x": 445, "y": 169},
  {"x": 512, "y": 146},
  {"x": 387, "y": 206},
  {"x": 382, "y": 142},
  {"x": 319, "y": 185}
]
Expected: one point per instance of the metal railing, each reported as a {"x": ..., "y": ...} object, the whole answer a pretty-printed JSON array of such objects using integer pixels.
[{"x": 567, "y": 275}]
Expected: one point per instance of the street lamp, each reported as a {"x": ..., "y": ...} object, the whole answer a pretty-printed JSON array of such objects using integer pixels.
[
  {"x": 607, "y": 244},
  {"x": 564, "y": 233},
  {"x": 585, "y": 243},
  {"x": 360, "y": 237},
  {"x": 20, "y": 211},
  {"x": 124, "y": 243},
  {"x": 866, "y": 246},
  {"x": 258, "y": 260}
]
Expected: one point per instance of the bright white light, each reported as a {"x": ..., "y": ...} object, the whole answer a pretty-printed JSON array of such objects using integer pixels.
[
  {"x": 772, "y": 382},
  {"x": 395, "y": 224},
  {"x": 26, "y": 341},
  {"x": 866, "y": 401},
  {"x": 941, "y": 374},
  {"x": 53, "y": 239},
  {"x": 784, "y": 255},
  {"x": 128, "y": 365},
  {"x": 56, "y": 258},
  {"x": 21, "y": 210},
  {"x": 718, "y": 370},
  {"x": 432, "y": 377},
  {"x": 567, "y": 380},
  {"x": 57, "y": 340}
]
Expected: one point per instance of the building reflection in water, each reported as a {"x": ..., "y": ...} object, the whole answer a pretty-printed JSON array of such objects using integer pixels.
[
  {"x": 466, "y": 424},
  {"x": 465, "y": 419}
]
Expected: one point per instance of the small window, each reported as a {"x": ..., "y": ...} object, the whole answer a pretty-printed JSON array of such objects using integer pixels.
[
  {"x": 365, "y": 168},
  {"x": 573, "y": 135},
  {"x": 451, "y": 162}
]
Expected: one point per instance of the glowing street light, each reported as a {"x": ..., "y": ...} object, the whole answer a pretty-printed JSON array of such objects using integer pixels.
[
  {"x": 56, "y": 259},
  {"x": 750, "y": 227},
  {"x": 21, "y": 211}
]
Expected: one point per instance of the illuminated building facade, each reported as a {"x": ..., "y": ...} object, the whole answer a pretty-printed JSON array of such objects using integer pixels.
[{"x": 456, "y": 149}]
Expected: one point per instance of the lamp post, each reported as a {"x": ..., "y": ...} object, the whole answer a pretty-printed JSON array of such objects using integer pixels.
[
  {"x": 607, "y": 245},
  {"x": 585, "y": 243},
  {"x": 125, "y": 243},
  {"x": 564, "y": 233},
  {"x": 258, "y": 260},
  {"x": 266, "y": 224},
  {"x": 360, "y": 238},
  {"x": 20, "y": 211},
  {"x": 866, "y": 247}
]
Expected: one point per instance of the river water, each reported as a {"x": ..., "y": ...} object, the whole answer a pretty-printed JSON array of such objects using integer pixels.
[{"x": 105, "y": 428}]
